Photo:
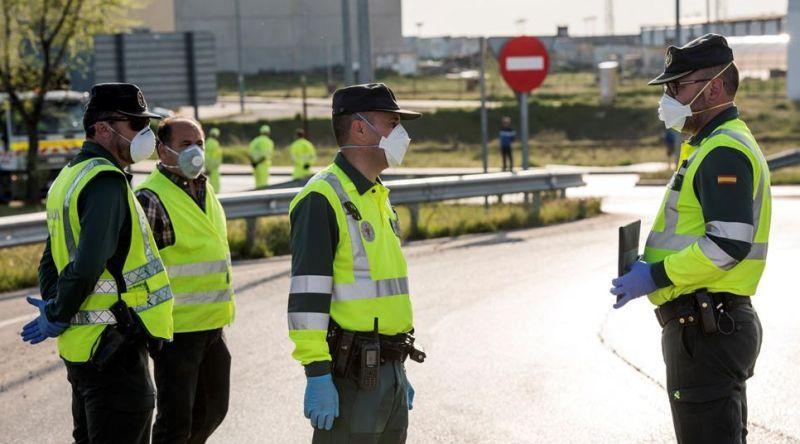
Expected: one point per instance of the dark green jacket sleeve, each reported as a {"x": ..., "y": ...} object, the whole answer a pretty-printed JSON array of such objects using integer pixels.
[
  {"x": 102, "y": 209},
  {"x": 48, "y": 274},
  {"x": 314, "y": 237},
  {"x": 724, "y": 186}
]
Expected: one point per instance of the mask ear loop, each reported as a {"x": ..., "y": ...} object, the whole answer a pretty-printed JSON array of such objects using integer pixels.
[
  {"x": 706, "y": 86},
  {"x": 363, "y": 119}
]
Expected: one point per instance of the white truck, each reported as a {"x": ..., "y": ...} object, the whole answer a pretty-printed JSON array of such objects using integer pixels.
[{"x": 60, "y": 138}]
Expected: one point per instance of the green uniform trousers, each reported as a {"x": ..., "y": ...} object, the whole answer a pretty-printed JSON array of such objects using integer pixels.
[
  {"x": 375, "y": 416},
  {"x": 707, "y": 374}
]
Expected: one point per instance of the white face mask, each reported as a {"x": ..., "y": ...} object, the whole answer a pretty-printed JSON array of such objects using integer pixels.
[
  {"x": 142, "y": 145},
  {"x": 190, "y": 161},
  {"x": 394, "y": 146},
  {"x": 674, "y": 113}
]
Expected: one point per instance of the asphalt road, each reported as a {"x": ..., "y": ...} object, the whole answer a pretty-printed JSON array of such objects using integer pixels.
[{"x": 522, "y": 341}]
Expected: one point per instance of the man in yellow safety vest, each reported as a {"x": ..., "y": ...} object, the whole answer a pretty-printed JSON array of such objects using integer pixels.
[{"x": 192, "y": 372}]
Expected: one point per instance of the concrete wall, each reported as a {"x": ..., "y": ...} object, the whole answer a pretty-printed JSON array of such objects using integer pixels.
[
  {"x": 287, "y": 35},
  {"x": 793, "y": 27}
]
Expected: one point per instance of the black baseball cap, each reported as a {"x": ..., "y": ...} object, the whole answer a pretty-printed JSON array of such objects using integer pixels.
[
  {"x": 368, "y": 97},
  {"x": 124, "y": 98},
  {"x": 702, "y": 52}
]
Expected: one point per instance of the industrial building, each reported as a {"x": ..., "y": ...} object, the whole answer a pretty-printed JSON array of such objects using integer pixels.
[{"x": 277, "y": 35}]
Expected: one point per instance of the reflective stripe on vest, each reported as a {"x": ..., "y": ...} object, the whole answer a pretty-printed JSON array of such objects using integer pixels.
[
  {"x": 670, "y": 240},
  {"x": 363, "y": 287},
  {"x": 199, "y": 268},
  {"x": 88, "y": 317},
  {"x": 133, "y": 277}
]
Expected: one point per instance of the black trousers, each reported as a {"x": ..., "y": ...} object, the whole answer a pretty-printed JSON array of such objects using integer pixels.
[
  {"x": 378, "y": 416},
  {"x": 707, "y": 374},
  {"x": 507, "y": 159},
  {"x": 193, "y": 375},
  {"x": 114, "y": 405}
]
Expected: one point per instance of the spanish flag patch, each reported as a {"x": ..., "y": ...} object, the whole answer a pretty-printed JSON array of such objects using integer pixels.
[{"x": 724, "y": 179}]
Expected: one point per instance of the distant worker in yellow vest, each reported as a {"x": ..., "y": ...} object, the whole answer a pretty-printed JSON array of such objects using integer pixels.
[
  {"x": 261, "y": 149},
  {"x": 213, "y": 158},
  {"x": 193, "y": 371},
  {"x": 303, "y": 155},
  {"x": 105, "y": 286},
  {"x": 707, "y": 248}
]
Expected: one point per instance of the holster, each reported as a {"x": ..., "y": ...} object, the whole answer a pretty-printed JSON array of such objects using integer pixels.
[
  {"x": 125, "y": 331},
  {"x": 345, "y": 349},
  {"x": 707, "y": 311}
]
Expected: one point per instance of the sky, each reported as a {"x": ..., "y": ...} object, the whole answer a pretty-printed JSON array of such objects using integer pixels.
[{"x": 584, "y": 17}]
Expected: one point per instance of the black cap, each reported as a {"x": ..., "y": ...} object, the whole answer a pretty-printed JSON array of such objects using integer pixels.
[
  {"x": 124, "y": 98},
  {"x": 702, "y": 52},
  {"x": 368, "y": 97}
]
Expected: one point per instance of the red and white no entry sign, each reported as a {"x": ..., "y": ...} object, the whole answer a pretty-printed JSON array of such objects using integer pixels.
[{"x": 524, "y": 63}]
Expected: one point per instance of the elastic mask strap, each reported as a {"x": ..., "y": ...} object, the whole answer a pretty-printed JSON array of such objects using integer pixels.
[
  {"x": 708, "y": 83},
  {"x": 364, "y": 119},
  {"x": 713, "y": 107},
  {"x": 176, "y": 166}
]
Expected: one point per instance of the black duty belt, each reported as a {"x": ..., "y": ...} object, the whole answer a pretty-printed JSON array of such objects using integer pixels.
[{"x": 687, "y": 309}]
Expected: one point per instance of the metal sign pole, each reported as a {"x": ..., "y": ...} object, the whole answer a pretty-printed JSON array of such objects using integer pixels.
[
  {"x": 347, "y": 51},
  {"x": 239, "y": 69},
  {"x": 484, "y": 116},
  {"x": 523, "y": 124}
]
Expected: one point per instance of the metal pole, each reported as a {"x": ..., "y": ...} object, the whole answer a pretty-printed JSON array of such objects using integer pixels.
[
  {"x": 239, "y": 71},
  {"x": 484, "y": 115},
  {"x": 305, "y": 105},
  {"x": 191, "y": 73},
  {"x": 347, "y": 46},
  {"x": 523, "y": 123},
  {"x": 365, "y": 70},
  {"x": 677, "y": 22}
]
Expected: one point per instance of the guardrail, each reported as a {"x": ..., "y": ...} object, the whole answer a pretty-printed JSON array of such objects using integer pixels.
[
  {"x": 31, "y": 228},
  {"x": 783, "y": 159}
]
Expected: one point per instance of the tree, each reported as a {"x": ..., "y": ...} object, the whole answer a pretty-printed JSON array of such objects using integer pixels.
[{"x": 40, "y": 41}]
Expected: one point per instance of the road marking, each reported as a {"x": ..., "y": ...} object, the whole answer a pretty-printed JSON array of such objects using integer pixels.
[{"x": 16, "y": 320}]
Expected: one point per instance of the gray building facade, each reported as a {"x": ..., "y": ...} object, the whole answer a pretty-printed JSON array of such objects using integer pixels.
[{"x": 280, "y": 35}]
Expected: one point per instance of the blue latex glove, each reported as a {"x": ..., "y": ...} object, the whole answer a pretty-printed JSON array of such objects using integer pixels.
[
  {"x": 410, "y": 396},
  {"x": 41, "y": 328},
  {"x": 321, "y": 403},
  {"x": 636, "y": 283}
]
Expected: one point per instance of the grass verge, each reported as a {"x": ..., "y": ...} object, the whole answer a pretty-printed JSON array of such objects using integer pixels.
[{"x": 19, "y": 267}]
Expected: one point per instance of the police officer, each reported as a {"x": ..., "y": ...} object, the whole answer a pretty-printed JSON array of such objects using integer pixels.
[
  {"x": 349, "y": 280},
  {"x": 101, "y": 275},
  {"x": 213, "y": 158},
  {"x": 261, "y": 149},
  {"x": 707, "y": 248},
  {"x": 192, "y": 372},
  {"x": 303, "y": 155}
]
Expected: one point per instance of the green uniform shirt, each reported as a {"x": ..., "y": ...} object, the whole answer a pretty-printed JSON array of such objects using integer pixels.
[{"x": 104, "y": 241}]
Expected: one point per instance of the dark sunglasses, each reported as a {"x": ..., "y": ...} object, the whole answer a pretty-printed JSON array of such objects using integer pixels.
[{"x": 672, "y": 87}]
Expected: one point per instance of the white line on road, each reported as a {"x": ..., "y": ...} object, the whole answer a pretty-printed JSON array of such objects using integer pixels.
[{"x": 18, "y": 319}]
